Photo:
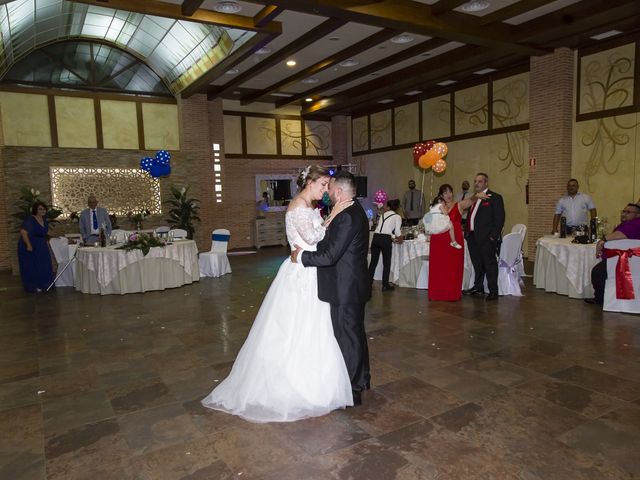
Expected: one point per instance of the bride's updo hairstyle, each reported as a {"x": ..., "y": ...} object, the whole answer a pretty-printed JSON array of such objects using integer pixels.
[{"x": 311, "y": 174}]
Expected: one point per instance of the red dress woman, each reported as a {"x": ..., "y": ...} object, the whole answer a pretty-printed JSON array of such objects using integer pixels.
[{"x": 446, "y": 264}]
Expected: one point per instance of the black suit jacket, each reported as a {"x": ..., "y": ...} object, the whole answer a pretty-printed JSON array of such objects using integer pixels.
[
  {"x": 489, "y": 219},
  {"x": 341, "y": 258}
]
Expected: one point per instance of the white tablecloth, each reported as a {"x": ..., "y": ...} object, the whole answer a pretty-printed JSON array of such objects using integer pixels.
[
  {"x": 564, "y": 267},
  {"x": 109, "y": 270}
]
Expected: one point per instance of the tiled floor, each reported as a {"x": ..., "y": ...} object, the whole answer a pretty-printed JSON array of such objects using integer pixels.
[{"x": 534, "y": 388}]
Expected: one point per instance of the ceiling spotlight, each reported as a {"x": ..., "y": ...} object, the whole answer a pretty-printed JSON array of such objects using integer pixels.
[
  {"x": 309, "y": 99},
  {"x": 413, "y": 92},
  {"x": 310, "y": 80},
  {"x": 446, "y": 82},
  {"x": 232, "y": 71},
  {"x": 263, "y": 51},
  {"x": 386, "y": 100},
  {"x": 475, "y": 6},
  {"x": 227, "y": 7},
  {"x": 334, "y": 39},
  {"x": 349, "y": 63},
  {"x": 603, "y": 35},
  {"x": 402, "y": 39},
  {"x": 280, "y": 94},
  {"x": 484, "y": 71},
  {"x": 291, "y": 63}
]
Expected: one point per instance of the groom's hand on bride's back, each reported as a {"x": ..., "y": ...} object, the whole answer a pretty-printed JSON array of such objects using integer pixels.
[{"x": 295, "y": 253}]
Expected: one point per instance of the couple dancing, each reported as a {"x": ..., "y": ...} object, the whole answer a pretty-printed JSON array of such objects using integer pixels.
[{"x": 306, "y": 353}]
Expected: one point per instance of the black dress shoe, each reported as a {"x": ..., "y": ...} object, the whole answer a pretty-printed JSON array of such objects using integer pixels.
[
  {"x": 472, "y": 291},
  {"x": 491, "y": 297},
  {"x": 357, "y": 397},
  {"x": 592, "y": 301},
  {"x": 387, "y": 288}
]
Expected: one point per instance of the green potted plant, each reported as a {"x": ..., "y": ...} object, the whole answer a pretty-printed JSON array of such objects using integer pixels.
[
  {"x": 184, "y": 211},
  {"x": 29, "y": 196}
]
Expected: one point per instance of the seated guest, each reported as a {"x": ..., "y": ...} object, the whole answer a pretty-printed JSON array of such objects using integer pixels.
[
  {"x": 92, "y": 219},
  {"x": 33, "y": 250},
  {"x": 387, "y": 231},
  {"x": 576, "y": 207},
  {"x": 628, "y": 229}
]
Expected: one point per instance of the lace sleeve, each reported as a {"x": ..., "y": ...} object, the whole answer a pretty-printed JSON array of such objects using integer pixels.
[{"x": 308, "y": 224}]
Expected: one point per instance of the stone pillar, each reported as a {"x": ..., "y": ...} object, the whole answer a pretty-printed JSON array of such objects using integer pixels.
[
  {"x": 551, "y": 113},
  {"x": 340, "y": 139}
]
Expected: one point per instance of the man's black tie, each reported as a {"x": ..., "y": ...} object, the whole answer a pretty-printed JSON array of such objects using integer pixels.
[{"x": 411, "y": 206}]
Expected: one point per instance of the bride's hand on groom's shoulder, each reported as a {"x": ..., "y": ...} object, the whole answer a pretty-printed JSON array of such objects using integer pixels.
[{"x": 340, "y": 206}]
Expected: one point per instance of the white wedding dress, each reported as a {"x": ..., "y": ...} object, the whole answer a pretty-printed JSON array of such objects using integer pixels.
[{"x": 290, "y": 366}]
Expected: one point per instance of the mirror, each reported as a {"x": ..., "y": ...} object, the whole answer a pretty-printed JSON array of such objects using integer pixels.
[{"x": 274, "y": 192}]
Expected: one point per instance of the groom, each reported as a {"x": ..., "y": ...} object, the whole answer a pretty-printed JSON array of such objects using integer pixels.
[{"x": 343, "y": 279}]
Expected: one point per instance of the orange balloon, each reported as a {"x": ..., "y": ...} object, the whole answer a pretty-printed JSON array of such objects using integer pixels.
[
  {"x": 440, "y": 166},
  {"x": 441, "y": 148},
  {"x": 429, "y": 159}
]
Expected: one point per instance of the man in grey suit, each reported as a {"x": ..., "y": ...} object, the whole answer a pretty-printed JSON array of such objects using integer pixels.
[{"x": 92, "y": 219}]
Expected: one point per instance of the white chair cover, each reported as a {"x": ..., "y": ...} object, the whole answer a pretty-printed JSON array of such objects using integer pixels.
[
  {"x": 423, "y": 277},
  {"x": 162, "y": 231},
  {"x": 177, "y": 234},
  {"x": 520, "y": 228},
  {"x": 509, "y": 282},
  {"x": 216, "y": 263},
  {"x": 60, "y": 248},
  {"x": 611, "y": 303},
  {"x": 121, "y": 236}
]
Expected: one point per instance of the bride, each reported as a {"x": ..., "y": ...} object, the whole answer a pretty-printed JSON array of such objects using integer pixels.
[{"x": 290, "y": 366}]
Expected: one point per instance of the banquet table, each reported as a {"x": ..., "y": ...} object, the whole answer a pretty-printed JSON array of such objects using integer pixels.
[
  {"x": 109, "y": 270},
  {"x": 564, "y": 267}
]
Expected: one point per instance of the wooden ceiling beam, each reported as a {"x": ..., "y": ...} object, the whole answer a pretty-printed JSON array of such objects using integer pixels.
[
  {"x": 513, "y": 10},
  {"x": 170, "y": 10},
  {"x": 189, "y": 7},
  {"x": 414, "y": 17},
  {"x": 305, "y": 40},
  {"x": 410, "y": 52},
  {"x": 266, "y": 15},
  {"x": 442, "y": 6},
  {"x": 355, "y": 49}
]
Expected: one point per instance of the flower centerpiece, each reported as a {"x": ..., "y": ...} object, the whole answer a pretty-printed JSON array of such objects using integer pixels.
[
  {"x": 138, "y": 217},
  {"x": 142, "y": 241}
]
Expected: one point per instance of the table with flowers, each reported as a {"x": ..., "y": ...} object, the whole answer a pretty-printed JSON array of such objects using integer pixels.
[{"x": 113, "y": 270}]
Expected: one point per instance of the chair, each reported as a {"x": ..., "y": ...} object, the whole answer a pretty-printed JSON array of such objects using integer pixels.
[
  {"x": 611, "y": 302},
  {"x": 520, "y": 228},
  {"x": 509, "y": 282},
  {"x": 215, "y": 263},
  {"x": 177, "y": 234},
  {"x": 162, "y": 231},
  {"x": 120, "y": 236},
  {"x": 60, "y": 248}
]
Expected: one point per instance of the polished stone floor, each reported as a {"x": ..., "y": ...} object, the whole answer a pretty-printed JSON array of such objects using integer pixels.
[{"x": 533, "y": 388}]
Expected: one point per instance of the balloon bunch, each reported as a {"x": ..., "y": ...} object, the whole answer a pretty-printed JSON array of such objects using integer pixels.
[
  {"x": 380, "y": 198},
  {"x": 430, "y": 155},
  {"x": 158, "y": 166}
]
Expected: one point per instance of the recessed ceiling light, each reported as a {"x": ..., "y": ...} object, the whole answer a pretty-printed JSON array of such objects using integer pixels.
[
  {"x": 425, "y": 54},
  {"x": 386, "y": 100},
  {"x": 413, "y": 92},
  {"x": 236, "y": 92},
  {"x": 382, "y": 47},
  {"x": 446, "y": 82},
  {"x": 308, "y": 99},
  {"x": 484, "y": 71},
  {"x": 401, "y": 39},
  {"x": 349, "y": 63},
  {"x": 263, "y": 51},
  {"x": 227, "y": 7},
  {"x": 232, "y": 71},
  {"x": 291, "y": 63},
  {"x": 310, "y": 80},
  {"x": 375, "y": 74},
  {"x": 334, "y": 39},
  {"x": 603, "y": 35},
  {"x": 475, "y": 6},
  {"x": 278, "y": 94}
]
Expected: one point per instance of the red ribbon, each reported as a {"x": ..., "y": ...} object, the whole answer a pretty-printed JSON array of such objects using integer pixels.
[{"x": 624, "y": 281}]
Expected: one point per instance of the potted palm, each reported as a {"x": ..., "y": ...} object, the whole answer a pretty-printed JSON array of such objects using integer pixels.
[
  {"x": 184, "y": 210},
  {"x": 29, "y": 196}
]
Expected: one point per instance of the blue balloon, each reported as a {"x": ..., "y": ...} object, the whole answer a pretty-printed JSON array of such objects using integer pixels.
[
  {"x": 163, "y": 157},
  {"x": 156, "y": 171},
  {"x": 146, "y": 163},
  {"x": 165, "y": 170}
]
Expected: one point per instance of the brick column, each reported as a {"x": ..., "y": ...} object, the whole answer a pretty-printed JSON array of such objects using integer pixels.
[
  {"x": 340, "y": 144},
  {"x": 550, "y": 137}
]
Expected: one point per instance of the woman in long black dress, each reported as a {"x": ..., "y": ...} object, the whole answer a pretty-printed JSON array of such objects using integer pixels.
[{"x": 33, "y": 250}]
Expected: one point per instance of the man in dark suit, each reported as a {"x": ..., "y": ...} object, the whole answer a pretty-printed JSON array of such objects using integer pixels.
[
  {"x": 483, "y": 232},
  {"x": 343, "y": 279}
]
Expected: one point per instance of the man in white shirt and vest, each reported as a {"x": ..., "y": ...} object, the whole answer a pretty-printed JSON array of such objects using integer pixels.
[
  {"x": 387, "y": 231},
  {"x": 413, "y": 204},
  {"x": 578, "y": 208},
  {"x": 92, "y": 219}
]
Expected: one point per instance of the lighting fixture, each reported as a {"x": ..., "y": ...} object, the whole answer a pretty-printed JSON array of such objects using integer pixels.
[
  {"x": 227, "y": 7},
  {"x": 334, "y": 39},
  {"x": 402, "y": 39},
  {"x": 386, "y": 100},
  {"x": 279, "y": 94},
  {"x": 310, "y": 80},
  {"x": 232, "y": 71},
  {"x": 603, "y": 35},
  {"x": 413, "y": 92},
  {"x": 236, "y": 92},
  {"x": 308, "y": 99},
  {"x": 291, "y": 63},
  {"x": 484, "y": 71},
  {"x": 349, "y": 63},
  {"x": 446, "y": 82},
  {"x": 475, "y": 6},
  {"x": 263, "y": 51}
]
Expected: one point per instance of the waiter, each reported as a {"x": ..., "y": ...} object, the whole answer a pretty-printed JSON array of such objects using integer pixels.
[
  {"x": 413, "y": 204},
  {"x": 387, "y": 231}
]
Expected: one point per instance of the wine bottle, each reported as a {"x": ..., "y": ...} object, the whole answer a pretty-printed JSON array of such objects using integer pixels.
[{"x": 103, "y": 238}]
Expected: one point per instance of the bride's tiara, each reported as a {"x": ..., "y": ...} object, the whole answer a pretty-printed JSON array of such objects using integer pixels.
[{"x": 304, "y": 174}]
